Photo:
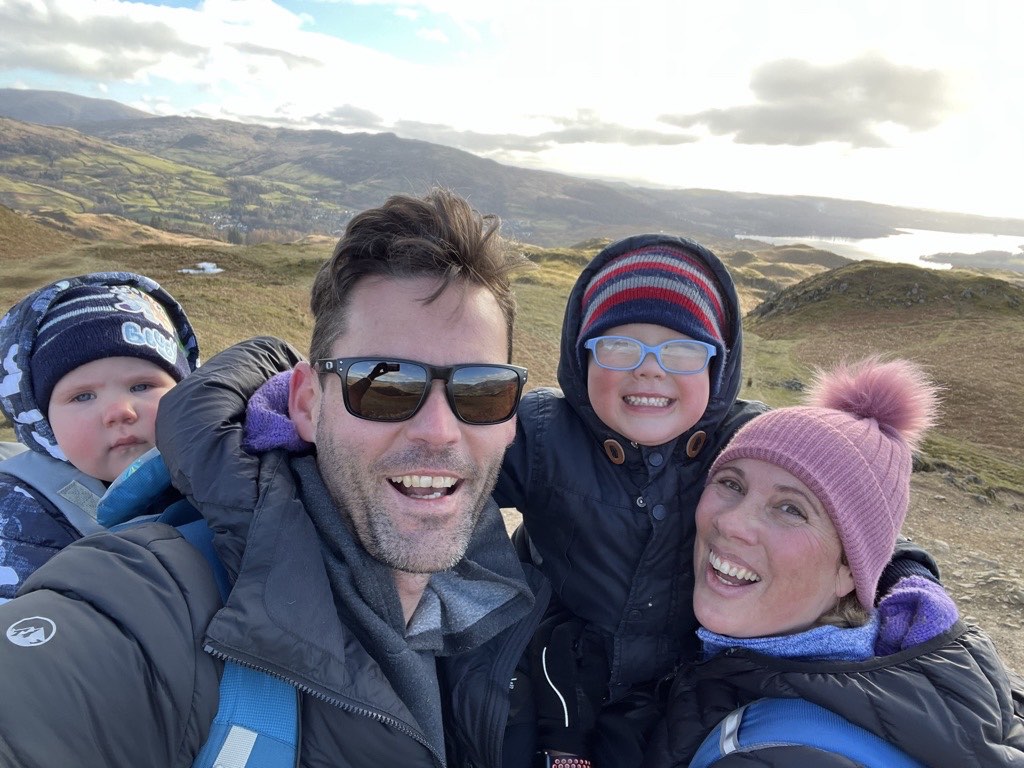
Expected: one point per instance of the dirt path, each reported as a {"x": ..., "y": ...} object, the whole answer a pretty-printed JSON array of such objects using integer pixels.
[{"x": 979, "y": 545}]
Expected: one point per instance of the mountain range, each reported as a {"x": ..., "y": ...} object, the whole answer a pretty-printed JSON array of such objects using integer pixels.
[{"x": 244, "y": 182}]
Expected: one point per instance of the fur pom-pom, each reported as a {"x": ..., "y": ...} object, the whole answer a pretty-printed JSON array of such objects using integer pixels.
[{"x": 897, "y": 394}]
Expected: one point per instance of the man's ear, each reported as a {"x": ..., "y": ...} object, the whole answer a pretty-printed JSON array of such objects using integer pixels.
[{"x": 304, "y": 401}]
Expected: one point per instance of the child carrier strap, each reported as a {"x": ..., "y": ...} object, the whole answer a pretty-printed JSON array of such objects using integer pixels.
[
  {"x": 768, "y": 723},
  {"x": 58, "y": 486},
  {"x": 257, "y": 721}
]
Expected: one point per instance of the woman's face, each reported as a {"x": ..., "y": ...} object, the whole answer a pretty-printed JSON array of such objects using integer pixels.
[{"x": 767, "y": 560}]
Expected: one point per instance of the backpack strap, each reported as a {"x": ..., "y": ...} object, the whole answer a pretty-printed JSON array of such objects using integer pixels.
[
  {"x": 257, "y": 721},
  {"x": 57, "y": 485},
  {"x": 257, "y": 724},
  {"x": 767, "y": 723}
]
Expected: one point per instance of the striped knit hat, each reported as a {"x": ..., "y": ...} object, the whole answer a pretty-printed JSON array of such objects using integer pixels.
[
  {"x": 663, "y": 284},
  {"x": 90, "y": 322},
  {"x": 852, "y": 447}
]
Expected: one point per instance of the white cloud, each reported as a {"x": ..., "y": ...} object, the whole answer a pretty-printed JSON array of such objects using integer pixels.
[
  {"x": 800, "y": 103},
  {"x": 922, "y": 95},
  {"x": 433, "y": 35}
]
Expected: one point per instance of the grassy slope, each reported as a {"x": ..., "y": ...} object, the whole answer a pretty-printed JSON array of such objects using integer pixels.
[{"x": 965, "y": 328}]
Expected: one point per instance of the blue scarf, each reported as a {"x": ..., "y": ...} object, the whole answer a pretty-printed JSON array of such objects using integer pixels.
[{"x": 824, "y": 642}]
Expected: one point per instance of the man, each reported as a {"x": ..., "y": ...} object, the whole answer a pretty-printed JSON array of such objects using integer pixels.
[{"x": 372, "y": 573}]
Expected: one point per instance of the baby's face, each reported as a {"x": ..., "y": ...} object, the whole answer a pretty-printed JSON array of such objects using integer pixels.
[
  {"x": 103, "y": 413},
  {"x": 647, "y": 405}
]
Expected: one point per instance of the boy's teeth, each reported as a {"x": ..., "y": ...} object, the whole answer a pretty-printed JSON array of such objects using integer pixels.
[
  {"x": 661, "y": 402},
  {"x": 724, "y": 566},
  {"x": 424, "y": 481}
]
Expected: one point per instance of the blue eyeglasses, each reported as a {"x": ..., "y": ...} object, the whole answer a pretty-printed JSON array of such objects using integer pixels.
[{"x": 622, "y": 353}]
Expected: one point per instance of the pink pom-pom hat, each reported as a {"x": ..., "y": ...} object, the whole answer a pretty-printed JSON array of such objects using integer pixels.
[{"x": 852, "y": 446}]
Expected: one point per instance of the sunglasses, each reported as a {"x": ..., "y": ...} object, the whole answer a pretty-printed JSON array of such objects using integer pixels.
[
  {"x": 623, "y": 353},
  {"x": 389, "y": 389}
]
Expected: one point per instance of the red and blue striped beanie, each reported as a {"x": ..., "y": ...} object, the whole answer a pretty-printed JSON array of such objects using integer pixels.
[{"x": 661, "y": 284}]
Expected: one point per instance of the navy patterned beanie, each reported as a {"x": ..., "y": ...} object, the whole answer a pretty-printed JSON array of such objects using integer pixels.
[
  {"x": 661, "y": 284},
  {"x": 90, "y": 322}
]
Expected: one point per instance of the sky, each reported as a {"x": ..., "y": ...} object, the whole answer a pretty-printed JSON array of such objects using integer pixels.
[{"x": 905, "y": 102}]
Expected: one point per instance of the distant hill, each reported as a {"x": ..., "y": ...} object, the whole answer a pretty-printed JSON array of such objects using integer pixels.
[
  {"x": 241, "y": 181},
  {"x": 23, "y": 238},
  {"x": 60, "y": 108},
  {"x": 965, "y": 327},
  {"x": 882, "y": 287},
  {"x": 808, "y": 308}
]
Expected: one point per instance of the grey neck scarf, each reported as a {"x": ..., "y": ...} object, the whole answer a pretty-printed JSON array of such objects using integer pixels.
[{"x": 367, "y": 603}]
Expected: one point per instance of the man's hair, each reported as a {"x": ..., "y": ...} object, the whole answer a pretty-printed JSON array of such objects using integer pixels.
[{"x": 439, "y": 235}]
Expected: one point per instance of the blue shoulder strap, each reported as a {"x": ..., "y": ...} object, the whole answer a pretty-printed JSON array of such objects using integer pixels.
[
  {"x": 257, "y": 721},
  {"x": 769, "y": 723},
  {"x": 256, "y": 725}
]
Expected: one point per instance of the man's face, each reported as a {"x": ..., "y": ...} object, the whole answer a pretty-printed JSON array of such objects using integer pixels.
[{"x": 413, "y": 489}]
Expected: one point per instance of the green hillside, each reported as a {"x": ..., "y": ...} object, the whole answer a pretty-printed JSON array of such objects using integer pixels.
[
  {"x": 245, "y": 182},
  {"x": 966, "y": 328}
]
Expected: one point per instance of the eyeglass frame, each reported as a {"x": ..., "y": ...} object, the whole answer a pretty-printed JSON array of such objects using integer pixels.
[
  {"x": 646, "y": 350},
  {"x": 342, "y": 365}
]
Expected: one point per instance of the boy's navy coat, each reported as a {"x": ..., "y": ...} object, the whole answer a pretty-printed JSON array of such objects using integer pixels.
[{"x": 616, "y": 540}]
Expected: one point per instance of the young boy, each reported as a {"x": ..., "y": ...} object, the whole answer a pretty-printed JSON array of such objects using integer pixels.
[
  {"x": 607, "y": 471},
  {"x": 85, "y": 362}
]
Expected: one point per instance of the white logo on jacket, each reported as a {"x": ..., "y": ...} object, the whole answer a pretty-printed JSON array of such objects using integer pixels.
[{"x": 35, "y": 630}]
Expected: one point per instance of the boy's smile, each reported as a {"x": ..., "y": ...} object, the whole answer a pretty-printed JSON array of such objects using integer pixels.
[{"x": 647, "y": 405}]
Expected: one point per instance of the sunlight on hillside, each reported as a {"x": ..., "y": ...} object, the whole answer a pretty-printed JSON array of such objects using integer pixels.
[{"x": 957, "y": 323}]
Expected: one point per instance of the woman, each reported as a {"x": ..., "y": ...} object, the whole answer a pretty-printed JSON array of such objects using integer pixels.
[{"x": 798, "y": 518}]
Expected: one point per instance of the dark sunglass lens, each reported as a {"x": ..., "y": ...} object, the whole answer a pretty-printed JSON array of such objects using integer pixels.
[
  {"x": 485, "y": 394},
  {"x": 383, "y": 390}
]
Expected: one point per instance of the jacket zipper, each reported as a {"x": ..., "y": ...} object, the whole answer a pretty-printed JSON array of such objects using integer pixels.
[{"x": 398, "y": 725}]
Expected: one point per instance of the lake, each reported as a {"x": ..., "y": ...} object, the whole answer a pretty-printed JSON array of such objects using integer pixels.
[{"x": 907, "y": 247}]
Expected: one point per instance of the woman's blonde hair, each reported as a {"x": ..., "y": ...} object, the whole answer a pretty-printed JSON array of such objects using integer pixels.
[{"x": 847, "y": 612}]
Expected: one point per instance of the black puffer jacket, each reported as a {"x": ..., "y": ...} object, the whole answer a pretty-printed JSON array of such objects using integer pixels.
[
  {"x": 148, "y": 697},
  {"x": 616, "y": 540},
  {"x": 947, "y": 703}
]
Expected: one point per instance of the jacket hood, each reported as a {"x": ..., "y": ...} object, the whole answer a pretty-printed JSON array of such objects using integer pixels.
[
  {"x": 18, "y": 331},
  {"x": 572, "y": 371}
]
